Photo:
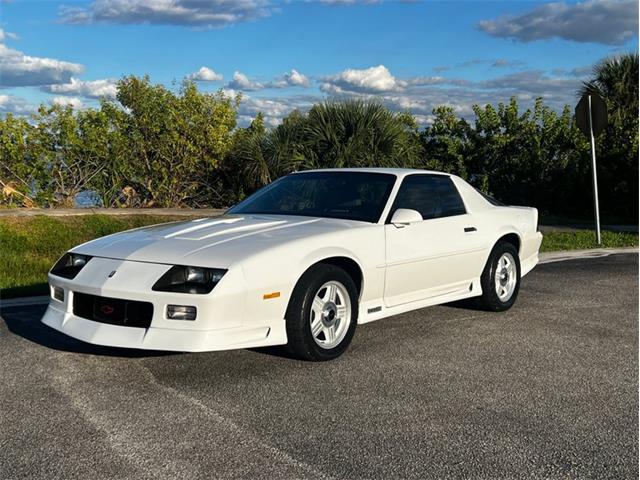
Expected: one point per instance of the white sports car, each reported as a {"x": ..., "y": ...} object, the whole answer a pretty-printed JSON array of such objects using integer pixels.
[{"x": 300, "y": 262}]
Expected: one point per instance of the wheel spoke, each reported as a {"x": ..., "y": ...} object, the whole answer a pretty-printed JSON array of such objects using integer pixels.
[
  {"x": 329, "y": 334},
  {"x": 317, "y": 306},
  {"x": 316, "y": 326},
  {"x": 332, "y": 291},
  {"x": 341, "y": 311}
]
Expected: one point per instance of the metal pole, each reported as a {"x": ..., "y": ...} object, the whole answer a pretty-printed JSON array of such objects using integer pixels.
[{"x": 595, "y": 177}]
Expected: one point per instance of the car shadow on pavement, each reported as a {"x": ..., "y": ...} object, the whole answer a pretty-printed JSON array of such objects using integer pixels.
[
  {"x": 466, "y": 304},
  {"x": 276, "y": 351},
  {"x": 24, "y": 321}
]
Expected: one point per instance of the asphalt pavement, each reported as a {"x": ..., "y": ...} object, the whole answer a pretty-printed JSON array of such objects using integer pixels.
[{"x": 548, "y": 389}]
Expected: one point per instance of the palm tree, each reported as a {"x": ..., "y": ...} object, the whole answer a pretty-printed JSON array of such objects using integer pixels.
[
  {"x": 283, "y": 146},
  {"x": 359, "y": 133},
  {"x": 616, "y": 80}
]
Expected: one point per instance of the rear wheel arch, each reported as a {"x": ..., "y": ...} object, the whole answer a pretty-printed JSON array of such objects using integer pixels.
[{"x": 512, "y": 238}]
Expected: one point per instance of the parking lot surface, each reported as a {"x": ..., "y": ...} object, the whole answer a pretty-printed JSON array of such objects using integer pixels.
[{"x": 548, "y": 389}]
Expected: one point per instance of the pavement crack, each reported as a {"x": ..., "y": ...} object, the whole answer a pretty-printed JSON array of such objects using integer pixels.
[
  {"x": 276, "y": 452},
  {"x": 164, "y": 433}
]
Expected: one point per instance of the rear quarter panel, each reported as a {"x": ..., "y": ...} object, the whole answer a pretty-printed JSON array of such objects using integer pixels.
[{"x": 497, "y": 221}]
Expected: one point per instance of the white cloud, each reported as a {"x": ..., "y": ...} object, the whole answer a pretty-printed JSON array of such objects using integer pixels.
[
  {"x": 368, "y": 80},
  {"x": 611, "y": 22},
  {"x": 535, "y": 83},
  {"x": 582, "y": 71},
  {"x": 205, "y": 74},
  {"x": 193, "y": 13},
  {"x": 433, "y": 80},
  {"x": 4, "y": 35},
  {"x": 16, "y": 105},
  {"x": 241, "y": 82},
  {"x": 20, "y": 70},
  {"x": 74, "y": 102},
  {"x": 420, "y": 95},
  {"x": 497, "y": 63},
  {"x": 504, "y": 63},
  {"x": 295, "y": 78},
  {"x": 89, "y": 89},
  {"x": 273, "y": 109},
  {"x": 292, "y": 79}
]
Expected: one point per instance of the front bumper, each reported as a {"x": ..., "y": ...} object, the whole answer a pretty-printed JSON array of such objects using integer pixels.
[
  {"x": 220, "y": 322},
  {"x": 156, "y": 338}
]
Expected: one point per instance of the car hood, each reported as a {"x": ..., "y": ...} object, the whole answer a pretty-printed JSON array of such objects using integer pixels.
[{"x": 219, "y": 241}]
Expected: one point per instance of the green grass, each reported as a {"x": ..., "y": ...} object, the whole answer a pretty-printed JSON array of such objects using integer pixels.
[
  {"x": 584, "y": 239},
  {"x": 30, "y": 245}
]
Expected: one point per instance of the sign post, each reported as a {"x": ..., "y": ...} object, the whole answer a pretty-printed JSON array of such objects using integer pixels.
[{"x": 591, "y": 119}]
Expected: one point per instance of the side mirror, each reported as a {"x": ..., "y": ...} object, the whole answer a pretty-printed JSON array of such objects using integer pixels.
[{"x": 405, "y": 216}]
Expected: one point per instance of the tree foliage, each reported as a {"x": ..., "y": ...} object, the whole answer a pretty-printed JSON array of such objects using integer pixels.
[
  {"x": 156, "y": 146},
  {"x": 615, "y": 79}
]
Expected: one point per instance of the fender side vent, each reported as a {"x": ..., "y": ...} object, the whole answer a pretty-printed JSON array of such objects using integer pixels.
[{"x": 374, "y": 309}]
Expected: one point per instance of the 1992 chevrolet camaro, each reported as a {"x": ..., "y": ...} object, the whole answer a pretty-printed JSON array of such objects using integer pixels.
[{"x": 301, "y": 262}]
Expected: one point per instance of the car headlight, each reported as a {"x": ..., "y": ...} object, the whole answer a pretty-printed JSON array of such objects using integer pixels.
[
  {"x": 183, "y": 279},
  {"x": 69, "y": 265}
]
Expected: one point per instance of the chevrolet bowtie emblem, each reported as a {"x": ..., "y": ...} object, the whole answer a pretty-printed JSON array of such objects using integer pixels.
[{"x": 107, "y": 309}]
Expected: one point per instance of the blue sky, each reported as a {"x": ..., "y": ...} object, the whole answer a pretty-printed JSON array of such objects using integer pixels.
[{"x": 285, "y": 55}]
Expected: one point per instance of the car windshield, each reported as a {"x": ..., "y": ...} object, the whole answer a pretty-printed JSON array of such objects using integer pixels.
[{"x": 348, "y": 195}]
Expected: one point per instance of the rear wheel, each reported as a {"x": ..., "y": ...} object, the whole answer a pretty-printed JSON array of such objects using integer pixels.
[
  {"x": 322, "y": 314},
  {"x": 500, "y": 279}
]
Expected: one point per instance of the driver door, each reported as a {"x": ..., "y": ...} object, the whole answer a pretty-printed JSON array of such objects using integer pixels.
[{"x": 439, "y": 255}]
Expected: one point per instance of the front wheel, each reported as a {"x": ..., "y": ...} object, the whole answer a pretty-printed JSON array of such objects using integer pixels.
[
  {"x": 322, "y": 314},
  {"x": 500, "y": 279}
]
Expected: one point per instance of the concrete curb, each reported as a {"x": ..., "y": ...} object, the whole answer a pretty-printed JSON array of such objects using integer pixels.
[
  {"x": 549, "y": 257},
  {"x": 24, "y": 301}
]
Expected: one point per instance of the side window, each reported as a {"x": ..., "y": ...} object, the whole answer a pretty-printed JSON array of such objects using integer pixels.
[
  {"x": 450, "y": 202},
  {"x": 434, "y": 196}
]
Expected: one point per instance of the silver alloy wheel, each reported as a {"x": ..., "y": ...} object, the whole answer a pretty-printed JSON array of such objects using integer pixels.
[
  {"x": 330, "y": 314},
  {"x": 506, "y": 277}
]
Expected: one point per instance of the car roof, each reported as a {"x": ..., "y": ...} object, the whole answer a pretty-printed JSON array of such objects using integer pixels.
[{"x": 399, "y": 172}]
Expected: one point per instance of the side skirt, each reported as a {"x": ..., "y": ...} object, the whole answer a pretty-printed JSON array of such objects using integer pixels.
[{"x": 375, "y": 310}]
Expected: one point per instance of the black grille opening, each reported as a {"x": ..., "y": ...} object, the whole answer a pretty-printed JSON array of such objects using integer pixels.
[{"x": 114, "y": 311}]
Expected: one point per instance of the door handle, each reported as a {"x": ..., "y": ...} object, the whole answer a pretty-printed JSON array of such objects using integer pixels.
[{"x": 470, "y": 229}]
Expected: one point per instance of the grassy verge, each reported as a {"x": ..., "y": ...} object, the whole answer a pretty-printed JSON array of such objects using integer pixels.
[
  {"x": 581, "y": 240},
  {"x": 30, "y": 245}
]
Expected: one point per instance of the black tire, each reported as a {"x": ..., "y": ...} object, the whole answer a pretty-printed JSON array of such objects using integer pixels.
[
  {"x": 301, "y": 342},
  {"x": 490, "y": 299}
]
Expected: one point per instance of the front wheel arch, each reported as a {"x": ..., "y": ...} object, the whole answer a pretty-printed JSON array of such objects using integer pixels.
[{"x": 349, "y": 265}]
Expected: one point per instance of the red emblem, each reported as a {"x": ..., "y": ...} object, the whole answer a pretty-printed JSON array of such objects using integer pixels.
[{"x": 106, "y": 309}]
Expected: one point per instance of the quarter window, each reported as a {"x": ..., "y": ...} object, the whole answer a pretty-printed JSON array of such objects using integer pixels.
[{"x": 434, "y": 196}]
